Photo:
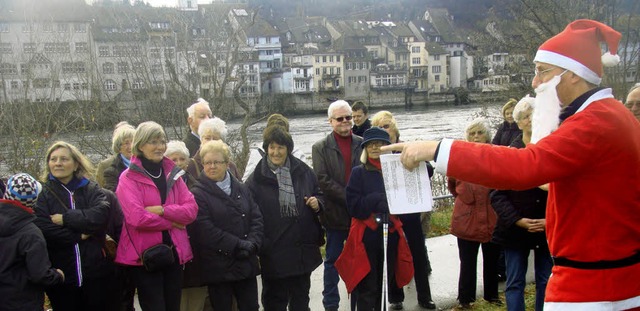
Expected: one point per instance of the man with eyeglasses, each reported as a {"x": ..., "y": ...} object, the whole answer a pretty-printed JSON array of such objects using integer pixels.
[
  {"x": 333, "y": 157},
  {"x": 592, "y": 162}
]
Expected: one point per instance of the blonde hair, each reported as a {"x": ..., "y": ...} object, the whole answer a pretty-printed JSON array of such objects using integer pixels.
[
  {"x": 385, "y": 115},
  {"x": 145, "y": 132},
  {"x": 526, "y": 103},
  {"x": 85, "y": 168},
  {"x": 215, "y": 146},
  {"x": 478, "y": 123},
  {"x": 122, "y": 132},
  {"x": 510, "y": 104}
]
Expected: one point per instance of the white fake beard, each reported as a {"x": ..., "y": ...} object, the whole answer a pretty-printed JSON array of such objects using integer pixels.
[{"x": 546, "y": 110}]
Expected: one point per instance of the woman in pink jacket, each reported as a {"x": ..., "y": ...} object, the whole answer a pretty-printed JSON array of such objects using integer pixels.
[{"x": 157, "y": 206}]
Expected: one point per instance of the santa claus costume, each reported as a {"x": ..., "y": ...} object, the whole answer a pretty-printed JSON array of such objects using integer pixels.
[{"x": 592, "y": 162}]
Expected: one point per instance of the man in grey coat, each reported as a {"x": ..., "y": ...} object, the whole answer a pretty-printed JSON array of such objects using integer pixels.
[{"x": 333, "y": 157}]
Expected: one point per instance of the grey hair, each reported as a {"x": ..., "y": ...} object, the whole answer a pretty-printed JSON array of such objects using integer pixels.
[
  {"x": 145, "y": 132},
  {"x": 634, "y": 87},
  {"x": 478, "y": 123},
  {"x": 122, "y": 132},
  {"x": 174, "y": 146},
  {"x": 215, "y": 124},
  {"x": 192, "y": 109},
  {"x": 523, "y": 105},
  {"x": 337, "y": 105}
]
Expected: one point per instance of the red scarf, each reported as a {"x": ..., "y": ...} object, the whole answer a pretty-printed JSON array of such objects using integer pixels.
[{"x": 376, "y": 163}]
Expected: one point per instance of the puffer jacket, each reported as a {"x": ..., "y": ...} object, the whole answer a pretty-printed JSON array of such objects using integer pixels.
[
  {"x": 223, "y": 220},
  {"x": 85, "y": 210},
  {"x": 25, "y": 268},
  {"x": 511, "y": 206},
  {"x": 142, "y": 229},
  {"x": 506, "y": 134},
  {"x": 291, "y": 245},
  {"x": 473, "y": 217},
  {"x": 328, "y": 165}
]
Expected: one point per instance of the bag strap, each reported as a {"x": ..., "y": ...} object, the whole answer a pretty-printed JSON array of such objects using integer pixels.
[
  {"x": 55, "y": 195},
  {"x": 130, "y": 240}
]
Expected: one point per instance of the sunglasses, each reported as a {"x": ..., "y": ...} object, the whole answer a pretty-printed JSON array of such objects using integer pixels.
[{"x": 341, "y": 119}]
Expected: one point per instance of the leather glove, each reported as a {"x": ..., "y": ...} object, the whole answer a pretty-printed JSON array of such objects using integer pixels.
[{"x": 247, "y": 246}]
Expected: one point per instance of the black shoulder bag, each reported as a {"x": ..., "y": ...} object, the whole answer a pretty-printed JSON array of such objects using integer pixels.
[{"x": 154, "y": 258}]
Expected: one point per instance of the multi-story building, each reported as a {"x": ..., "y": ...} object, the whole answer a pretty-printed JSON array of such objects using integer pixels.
[
  {"x": 438, "y": 80},
  {"x": 45, "y": 59},
  {"x": 328, "y": 66}
]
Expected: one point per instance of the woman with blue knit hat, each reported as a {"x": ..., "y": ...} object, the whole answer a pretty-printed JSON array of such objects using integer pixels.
[
  {"x": 361, "y": 263},
  {"x": 25, "y": 268}
]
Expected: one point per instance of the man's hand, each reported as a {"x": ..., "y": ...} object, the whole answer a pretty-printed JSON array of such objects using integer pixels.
[
  {"x": 531, "y": 225},
  {"x": 57, "y": 219},
  {"x": 313, "y": 203},
  {"x": 414, "y": 152}
]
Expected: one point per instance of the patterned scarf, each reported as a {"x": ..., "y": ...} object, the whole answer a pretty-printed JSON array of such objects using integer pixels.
[{"x": 286, "y": 194}]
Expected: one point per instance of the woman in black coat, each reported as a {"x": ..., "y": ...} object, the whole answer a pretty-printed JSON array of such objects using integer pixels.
[
  {"x": 508, "y": 130},
  {"x": 287, "y": 192},
  {"x": 72, "y": 213},
  {"x": 228, "y": 233}
]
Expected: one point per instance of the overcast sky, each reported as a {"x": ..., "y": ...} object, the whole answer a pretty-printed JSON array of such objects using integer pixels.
[{"x": 160, "y": 3}]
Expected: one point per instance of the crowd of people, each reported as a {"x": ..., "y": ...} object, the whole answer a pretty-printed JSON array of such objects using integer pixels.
[{"x": 176, "y": 222}]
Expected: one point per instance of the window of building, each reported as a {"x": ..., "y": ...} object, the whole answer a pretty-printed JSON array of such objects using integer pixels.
[
  {"x": 154, "y": 53},
  {"x": 415, "y": 49},
  {"x": 47, "y": 27},
  {"x": 156, "y": 68},
  {"x": 6, "y": 48},
  {"x": 338, "y": 58},
  {"x": 123, "y": 67},
  {"x": 417, "y": 73},
  {"x": 62, "y": 27},
  {"x": 317, "y": 59},
  {"x": 138, "y": 67},
  {"x": 8, "y": 69},
  {"x": 324, "y": 59},
  {"x": 108, "y": 68},
  {"x": 26, "y": 28},
  {"x": 82, "y": 47},
  {"x": 84, "y": 85},
  {"x": 436, "y": 69},
  {"x": 338, "y": 70},
  {"x": 41, "y": 83},
  {"x": 119, "y": 51},
  {"x": 169, "y": 53},
  {"x": 103, "y": 51},
  {"x": 76, "y": 86},
  {"x": 29, "y": 48},
  {"x": 436, "y": 78},
  {"x": 436, "y": 57},
  {"x": 15, "y": 85},
  {"x": 137, "y": 84},
  {"x": 80, "y": 27},
  {"x": 317, "y": 71},
  {"x": 4, "y": 27},
  {"x": 56, "y": 47},
  {"x": 415, "y": 61},
  {"x": 73, "y": 67}
]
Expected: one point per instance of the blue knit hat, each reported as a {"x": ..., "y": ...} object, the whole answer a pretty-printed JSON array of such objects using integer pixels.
[
  {"x": 23, "y": 188},
  {"x": 375, "y": 133}
]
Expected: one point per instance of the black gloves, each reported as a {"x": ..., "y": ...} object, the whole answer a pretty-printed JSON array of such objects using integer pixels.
[
  {"x": 244, "y": 249},
  {"x": 378, "y": 202}
]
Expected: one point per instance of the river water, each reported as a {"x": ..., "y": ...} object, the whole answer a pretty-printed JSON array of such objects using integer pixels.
[{"x": 431, "y": 123}]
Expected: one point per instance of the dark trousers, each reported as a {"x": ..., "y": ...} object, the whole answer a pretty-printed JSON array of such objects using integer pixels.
[
  {"x": 412, "y": 227},
  {"x": 158, "y": 291},
  {"x": 278, "y": 293},
  {"x": 468, "y": 252},
  {"x": 245, "y": 291},
  {"x": 123, "y": 290},
  {"x": 92, "y": 295},
  {"x": 369, "y": 290}
]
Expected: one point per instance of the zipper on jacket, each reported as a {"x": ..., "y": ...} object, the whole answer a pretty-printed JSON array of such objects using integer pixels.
[{"x": 76, "y": 247}]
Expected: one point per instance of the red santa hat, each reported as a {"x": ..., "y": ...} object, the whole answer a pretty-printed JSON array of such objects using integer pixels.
[{"x": 577, "y": 48}]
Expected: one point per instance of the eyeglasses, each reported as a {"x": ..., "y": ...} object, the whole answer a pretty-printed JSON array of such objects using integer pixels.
[
  {"x": 341, "y": 119},
  {"x": 375, "y": 144},
  {"x": 214, "y": 163},
  {"x": 538, "y": 73},
  {"x": 158, "y": 142}
]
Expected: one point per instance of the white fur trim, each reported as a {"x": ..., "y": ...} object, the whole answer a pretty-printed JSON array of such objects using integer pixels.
[
  {"x": 602, "y": 94},
  {"x": 626, "y": 304},
  {"x": 609, "y": 60},
  {"x": 443, "y": 156},
  {"x": 571, "y": 64}
]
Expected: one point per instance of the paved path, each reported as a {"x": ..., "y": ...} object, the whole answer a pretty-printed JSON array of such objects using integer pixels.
[{"x": 443, "y": 254}]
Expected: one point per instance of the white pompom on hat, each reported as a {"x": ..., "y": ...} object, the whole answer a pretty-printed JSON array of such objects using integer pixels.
[{"x": 577, "y": 48}]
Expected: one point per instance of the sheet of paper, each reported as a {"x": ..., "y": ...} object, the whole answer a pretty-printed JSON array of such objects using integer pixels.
[{"x": 407, "y": 191}]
